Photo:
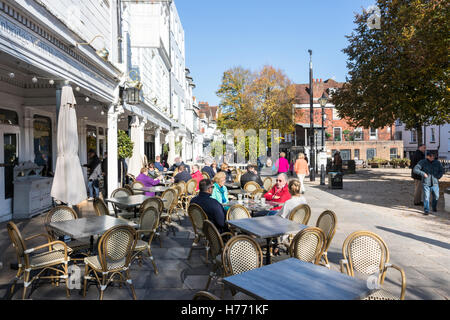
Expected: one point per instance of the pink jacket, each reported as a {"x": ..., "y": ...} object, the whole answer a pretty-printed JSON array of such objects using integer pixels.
[{"x": 282, "y": 164}]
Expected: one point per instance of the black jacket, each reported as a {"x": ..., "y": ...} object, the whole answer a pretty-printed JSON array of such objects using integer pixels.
[
  {"x": 183, "y": 176},
  {"x": 209, "y": 171},
  {"x": 250, "y": 176},
  {"x": 213, "y": 209},
  {"x": 172, "y": 168},
  {"x": 417, "y": 156}
]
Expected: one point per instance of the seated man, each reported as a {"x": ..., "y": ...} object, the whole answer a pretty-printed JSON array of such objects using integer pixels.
[
  {"x": 212, "y": 207},
  {"x": 158, "y": 164},
  {"x": 208, "y": 169},
  {"x": 251, "y": 175},
  {"x": 182, "y": 174},
  {"x": 177, "y": 164}
]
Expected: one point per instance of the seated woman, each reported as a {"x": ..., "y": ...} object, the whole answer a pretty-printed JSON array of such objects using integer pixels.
[
  {"x": 196, "y": 174},
  {"x": 220, "y": 191},
  {"x": 295, "y": 200},
  {"x": 224, "y": 168},
  {"x": 279, "y": 193},
  {"x": 152, "y": 171},
  {"x": 147, "y": 181}
]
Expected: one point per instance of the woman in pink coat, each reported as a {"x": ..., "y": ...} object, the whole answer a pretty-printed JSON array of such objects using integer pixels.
[{"x": 282, "y": 164}]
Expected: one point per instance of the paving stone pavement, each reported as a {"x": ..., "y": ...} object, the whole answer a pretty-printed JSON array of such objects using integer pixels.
[{"x": 377, "y": 200}]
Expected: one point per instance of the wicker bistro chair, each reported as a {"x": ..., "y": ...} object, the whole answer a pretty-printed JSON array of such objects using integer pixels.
[
  {"x": 37, "y": 258},
  {"x": 181, "y": 192},
  {"x": 216, "y": 245},
  {"x": 115, "y": 252},
  {"x": 149, "y": 221},
  {"x": 327, "y": 222},
  {"x": 169, "y": 207},
  {"x": 238, "y": 211},
  {"x": 121, "y": 211},
  {"x": 366, "y": 253},
  {"x": 191, "y": 192},
  {"x": 251, "y": 186},
  {"x": 240, "y": 254},
  {"x": 128, "y": 187},
  {"x": 64, "y": 213},
  {"x": 308, "y": 244},
  {"x": 137, "y": 184},
  {"x": 267, "y": 184},
  {"x": 300, "y": 214},
  {"x": 153, "y": 202},
  {"x": 100, "y": 207},
  {"x": 197, "y": 217},
  {"x": 205, "y": 175},
  {"x": 204, "y": 295}
]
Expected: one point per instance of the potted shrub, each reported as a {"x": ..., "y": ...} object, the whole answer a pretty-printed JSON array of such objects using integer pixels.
[
  {"x": 404, "y": 163},
  {"x": 395, "y": 162}
]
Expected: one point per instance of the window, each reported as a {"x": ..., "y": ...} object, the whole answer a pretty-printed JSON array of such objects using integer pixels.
[
  {"x": 358, "y": 134},
  {"x": 356, "y": 157},
  {"x": 371, "y": 153},
  {"x": 9, "y": 117},
  {"x": 42, "y": 140},
  {"x": 373, "y": 133},
  {"x": 393, "y": 153},
  {"x": 413, "y": 136},
  {"x": 337, "y": 134},
  {"x": 335, "y": 114},
  {"x": 433, "y": 136},
  {"x": 346, "y": 154}
]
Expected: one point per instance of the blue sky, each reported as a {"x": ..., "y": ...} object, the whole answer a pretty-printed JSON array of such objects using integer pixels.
[{"x": 252, "y": 33}]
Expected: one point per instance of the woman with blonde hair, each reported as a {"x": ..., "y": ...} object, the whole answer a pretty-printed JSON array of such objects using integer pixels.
[
  {"x": 295, "y": 200},
  {"x": 224, "y": 168},
  {"x": 301, "y": 169},
  {"x": 220, "y": 191}
]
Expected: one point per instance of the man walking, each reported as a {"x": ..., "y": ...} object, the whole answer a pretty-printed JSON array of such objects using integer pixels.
[
  {"x": 431, "y": 170},
  {"x": 417, "y": 156}
]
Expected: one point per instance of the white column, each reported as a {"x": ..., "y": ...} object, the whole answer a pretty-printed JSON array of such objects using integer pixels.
[
  {"x": 28, "y": 154},
  {"x": 142, "y": 140},
  {"x": 171, "y": 156},
  {"x": 158, "y": 150},
  {"x": 113, "y": 176}
]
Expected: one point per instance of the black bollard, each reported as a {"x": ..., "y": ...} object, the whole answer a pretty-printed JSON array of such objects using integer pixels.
[{"x": 322, "y": 175}]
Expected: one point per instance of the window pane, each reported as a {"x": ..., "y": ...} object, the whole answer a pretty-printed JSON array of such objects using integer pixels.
[
  {"x": 9, "y": 117},
  {"x": 356, "y": 154},
  {"x": 42, "y": 139}
]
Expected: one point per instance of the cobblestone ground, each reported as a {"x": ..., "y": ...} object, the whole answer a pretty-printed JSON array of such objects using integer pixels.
[{"x": 379, "y": 200}]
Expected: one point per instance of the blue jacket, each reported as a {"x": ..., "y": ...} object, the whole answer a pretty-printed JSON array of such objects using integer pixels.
[
  {"x": 183, "y": 176},
  {"x": 209, "y": 171},
  {"x": 434, "y": 170},
  {"x": 159, "y": 166},
  {"x": 213, "y": 210}
]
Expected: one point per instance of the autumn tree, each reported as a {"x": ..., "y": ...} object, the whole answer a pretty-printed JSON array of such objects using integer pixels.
[
  {"x": 399, "y": 70},
  {"x": 256, "y": 100}
]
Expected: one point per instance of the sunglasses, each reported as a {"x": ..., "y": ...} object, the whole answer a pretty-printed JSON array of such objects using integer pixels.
[{"x": 278, "y": 180}]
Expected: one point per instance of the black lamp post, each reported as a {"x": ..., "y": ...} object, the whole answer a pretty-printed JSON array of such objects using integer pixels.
[
  {"x": 323, "y": 101},
  {"x": 312, "y": 174}
]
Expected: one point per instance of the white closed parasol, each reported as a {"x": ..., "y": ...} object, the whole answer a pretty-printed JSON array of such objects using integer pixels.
[{"x": 68, "y": 184}]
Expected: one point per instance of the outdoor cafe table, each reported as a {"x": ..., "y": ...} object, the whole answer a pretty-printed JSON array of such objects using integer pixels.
[
  {"x": 252, "y": 205},
  {"x": 293, "y": 279},
  {"x": 89, "y": 227},
  {"x": 267, "y": 227},
  {"x": 233, "y": 185},
  {"x": 156, "y": 189},
  {"x": 129, "y": 202}
]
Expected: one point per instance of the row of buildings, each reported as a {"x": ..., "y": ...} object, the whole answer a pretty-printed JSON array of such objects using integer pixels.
[
  {"x": 359, "y": 143},
  {"x": 125, "y": 61}
]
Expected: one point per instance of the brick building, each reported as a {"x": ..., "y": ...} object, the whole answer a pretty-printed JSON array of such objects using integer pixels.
[{"x": 353, "y": 143}]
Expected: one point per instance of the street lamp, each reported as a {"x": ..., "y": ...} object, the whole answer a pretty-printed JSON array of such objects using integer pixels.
[
  {"x": 312, "y": 174},
  {"x": 323, "y": 101}
]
